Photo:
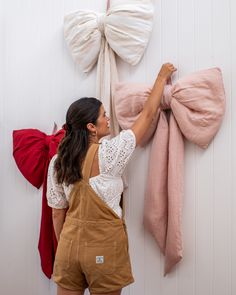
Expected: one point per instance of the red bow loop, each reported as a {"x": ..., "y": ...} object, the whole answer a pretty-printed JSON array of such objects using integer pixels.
[
  {"x": 30, "y": 154},
  {"x": 32, "y": 149}
]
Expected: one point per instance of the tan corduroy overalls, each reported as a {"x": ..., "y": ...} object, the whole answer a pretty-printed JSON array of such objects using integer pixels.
[{"x": 93, "y": 247}]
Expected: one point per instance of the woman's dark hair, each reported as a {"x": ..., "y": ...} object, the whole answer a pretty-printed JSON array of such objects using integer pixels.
[{"x": 73, "y": 147}]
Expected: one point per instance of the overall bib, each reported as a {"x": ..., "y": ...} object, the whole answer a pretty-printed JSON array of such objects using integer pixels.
[{"x": 93, "y": 246}]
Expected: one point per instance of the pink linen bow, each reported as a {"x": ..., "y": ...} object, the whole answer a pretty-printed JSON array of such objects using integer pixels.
[{"x": 193, "y": 108}]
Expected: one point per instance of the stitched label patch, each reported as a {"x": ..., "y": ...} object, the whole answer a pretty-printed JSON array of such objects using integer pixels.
[{"x": 99, "y": 259}]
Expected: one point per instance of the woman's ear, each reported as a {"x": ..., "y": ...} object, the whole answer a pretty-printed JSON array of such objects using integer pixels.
[{"x": 91, "y": 127}]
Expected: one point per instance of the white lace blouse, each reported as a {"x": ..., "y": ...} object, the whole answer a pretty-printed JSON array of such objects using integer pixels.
[{"x": 113, "y": 156}]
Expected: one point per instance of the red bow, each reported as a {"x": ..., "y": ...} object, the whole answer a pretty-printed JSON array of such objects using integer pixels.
[{"x": 33, "y": 150}]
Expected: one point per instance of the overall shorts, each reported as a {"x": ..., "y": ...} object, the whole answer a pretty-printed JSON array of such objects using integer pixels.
[{"x": 93, "y": 247}]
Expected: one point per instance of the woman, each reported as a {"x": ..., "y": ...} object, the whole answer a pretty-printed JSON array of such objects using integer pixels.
[{"x": 84, "y": 190}]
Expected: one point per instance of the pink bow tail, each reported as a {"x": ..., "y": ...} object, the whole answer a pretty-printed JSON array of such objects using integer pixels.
[{"x": 163, "y": 203}]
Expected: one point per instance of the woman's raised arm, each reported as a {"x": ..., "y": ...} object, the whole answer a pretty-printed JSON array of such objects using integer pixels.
[{"x": 143, "y": 122}]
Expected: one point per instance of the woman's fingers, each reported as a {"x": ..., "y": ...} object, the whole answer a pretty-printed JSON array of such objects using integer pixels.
[{"x": 166, "y": 71}]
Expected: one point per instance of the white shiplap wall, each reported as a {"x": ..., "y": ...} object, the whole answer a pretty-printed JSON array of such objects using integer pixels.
[{"x": 38, "y": 81}]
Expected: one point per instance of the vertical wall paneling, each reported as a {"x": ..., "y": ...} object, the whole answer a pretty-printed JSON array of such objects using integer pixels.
[
  {"x": 232, "y": 7},
  {"x": 186, "y": 64},
  {"x": 204, "y": 164},
  {"x": 222, "y": 152},
  {"x": 39, "y": 80}
]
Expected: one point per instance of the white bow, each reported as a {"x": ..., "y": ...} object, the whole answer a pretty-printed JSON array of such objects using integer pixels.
[{"x": 91, "y": 37}]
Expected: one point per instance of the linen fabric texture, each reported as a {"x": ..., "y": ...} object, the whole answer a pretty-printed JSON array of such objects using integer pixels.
[
  {"x": 193, "y": 108},
  {"x": 96, "y": 37}
]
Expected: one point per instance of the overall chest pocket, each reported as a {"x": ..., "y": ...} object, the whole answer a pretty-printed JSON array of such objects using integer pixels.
[{"x": 100, "y": 258}]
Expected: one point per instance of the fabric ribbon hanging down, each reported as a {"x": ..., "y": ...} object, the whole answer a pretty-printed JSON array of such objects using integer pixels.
[
  {"x": 194, "y": 108},
  {"x": 95, "y": 38},
  {"x": 32, "y": 151}
]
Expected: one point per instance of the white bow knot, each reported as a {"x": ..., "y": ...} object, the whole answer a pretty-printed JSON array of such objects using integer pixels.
[{"x": 101, "y": 23}]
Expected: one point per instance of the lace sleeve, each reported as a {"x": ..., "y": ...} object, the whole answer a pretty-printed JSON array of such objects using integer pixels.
[
  {"x": 56, "y": 196},
  {"x": 114, "y": 154}
]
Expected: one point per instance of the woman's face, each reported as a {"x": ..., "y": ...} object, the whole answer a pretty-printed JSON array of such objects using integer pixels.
[{"x": 102, "y": 124}]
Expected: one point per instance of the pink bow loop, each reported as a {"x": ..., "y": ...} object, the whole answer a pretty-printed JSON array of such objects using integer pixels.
[
  {"x": 199, "y": 105},
  {"x": 129, "y": 100}
]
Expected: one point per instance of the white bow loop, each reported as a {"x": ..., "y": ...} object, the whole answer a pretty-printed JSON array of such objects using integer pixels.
[
  {"x": 83, "y": 37},
  {"x": 128, "y": 30}
]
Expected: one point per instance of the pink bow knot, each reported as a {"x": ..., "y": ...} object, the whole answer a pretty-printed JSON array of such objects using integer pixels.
[{"x": 166, "y": 98}]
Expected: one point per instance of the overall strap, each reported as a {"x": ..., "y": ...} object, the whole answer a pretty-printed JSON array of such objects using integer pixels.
[{"x": 88, "y": 162}]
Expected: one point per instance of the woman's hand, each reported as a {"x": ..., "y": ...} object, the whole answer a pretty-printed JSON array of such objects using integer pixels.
[{"x": 166, "y": 71}]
